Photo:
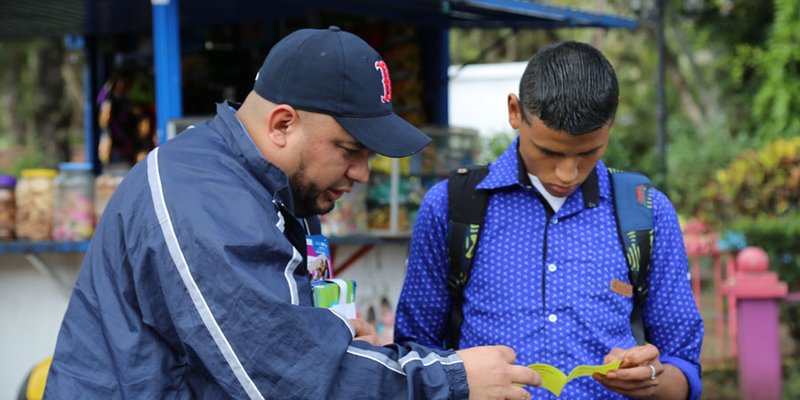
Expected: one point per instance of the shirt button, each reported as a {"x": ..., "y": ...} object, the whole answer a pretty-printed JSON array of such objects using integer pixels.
[
  {"x": 555, "y": 221},
  {"x": 552, "y": 318},
  {"x": 552, "y": 268}
]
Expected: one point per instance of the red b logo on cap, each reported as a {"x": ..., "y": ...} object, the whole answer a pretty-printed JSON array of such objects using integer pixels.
[{"x": 387, "y": 83}]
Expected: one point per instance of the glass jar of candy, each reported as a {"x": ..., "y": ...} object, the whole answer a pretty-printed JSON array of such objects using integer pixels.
[
  {"x": 7, "y": 207},
  {"x": 73, "y": 207},
  {"x": 34, "y": 196},
  {"x": 104, "y": 186}
]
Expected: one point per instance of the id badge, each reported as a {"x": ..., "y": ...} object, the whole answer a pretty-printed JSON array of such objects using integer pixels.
[{"x": 319, "y": 257}]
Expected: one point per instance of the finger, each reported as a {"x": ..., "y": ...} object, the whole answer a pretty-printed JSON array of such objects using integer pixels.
[
  {"x": 371, "y": 339},
  {"x": 362, "y": 328},
  {"x": 525, "y": 376},
  {"x": 641, "y": 355},
  {"x": 627, "y": 387},
  {"x": 614, "y": 355},
  {"x": 359, "y": 322},
  {"x": 630, "y": 390},
  {"x": 642, "y": 392},
  {"x": 507, "y": 353},
  {"x": 516, "y": 393},
  {"x": 639, "y": 373}
]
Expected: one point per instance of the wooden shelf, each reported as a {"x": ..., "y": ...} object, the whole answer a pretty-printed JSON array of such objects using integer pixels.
[{"x": 25, "y": 246}]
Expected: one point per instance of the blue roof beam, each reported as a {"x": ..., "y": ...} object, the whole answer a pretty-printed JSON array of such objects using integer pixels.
[{"x": 545, "y": 16}]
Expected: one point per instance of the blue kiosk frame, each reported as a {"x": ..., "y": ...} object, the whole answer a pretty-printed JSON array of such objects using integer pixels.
[{"x": 83, "y": 20}]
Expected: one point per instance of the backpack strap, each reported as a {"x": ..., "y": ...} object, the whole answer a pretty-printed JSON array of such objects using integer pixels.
[
  {"x": 313, "y": 225},
  {"x": 466, "y": 210},
  {"x": 634, "y": 211}
]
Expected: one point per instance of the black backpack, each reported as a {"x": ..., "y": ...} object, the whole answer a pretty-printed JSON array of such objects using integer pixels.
[{"x": 467, "y": 208}]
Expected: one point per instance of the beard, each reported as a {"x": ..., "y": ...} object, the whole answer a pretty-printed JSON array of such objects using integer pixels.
[{"x": 306, "y": 194}]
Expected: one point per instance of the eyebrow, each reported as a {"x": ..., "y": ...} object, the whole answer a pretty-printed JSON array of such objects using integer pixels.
[
  {"x": 352, "y": 143},
  {"x": 556, "y": 153}
]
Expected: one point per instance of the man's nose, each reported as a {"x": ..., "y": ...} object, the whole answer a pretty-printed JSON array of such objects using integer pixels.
[
  {"x": 359, "y": 170},
  {"x": 567, "y": 170}
]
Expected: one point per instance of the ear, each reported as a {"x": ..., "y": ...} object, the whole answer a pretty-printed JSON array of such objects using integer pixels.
[
  {"x": 278, "y": 122},
  {"x": 514, "y": 116}
]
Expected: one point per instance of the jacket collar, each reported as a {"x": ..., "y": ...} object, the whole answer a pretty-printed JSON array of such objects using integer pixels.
[{"x": 273, "y": 178}]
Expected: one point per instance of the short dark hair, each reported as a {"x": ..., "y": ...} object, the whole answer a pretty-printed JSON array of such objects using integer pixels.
[{"x": 571, "y": 87}]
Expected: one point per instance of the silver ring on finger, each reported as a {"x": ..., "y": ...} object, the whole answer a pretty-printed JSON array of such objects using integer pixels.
[{"x": 652, "y": 372}]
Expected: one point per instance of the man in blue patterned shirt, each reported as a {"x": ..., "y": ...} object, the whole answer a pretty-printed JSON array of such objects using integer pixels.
[{"x": 549, "y": 249}]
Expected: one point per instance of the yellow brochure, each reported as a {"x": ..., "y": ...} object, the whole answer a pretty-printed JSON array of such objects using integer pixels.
[{"x": 554, "y": 380}]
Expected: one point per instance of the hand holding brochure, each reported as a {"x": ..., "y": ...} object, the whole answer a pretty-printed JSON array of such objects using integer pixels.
[
  {"x": 336, "y": 294},
  {"x": 554, "y": 380}
]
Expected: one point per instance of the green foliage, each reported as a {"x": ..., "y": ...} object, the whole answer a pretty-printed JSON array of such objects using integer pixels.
[
  {"x": 720, "y": 383},
  {"x": 778, "y": 237},
  {"x": 41, "y": 101},
  {"x": 693, "y": 159},
  {"x": 32, "y": 157},
  {"x": 471, "y": 46},
  {"x": 757, "y": 184},
  {"x": 717, "y": 32},
  {"x": 791, "y": 379},
  {"x": 494, "y": 145},
  {"x": 776, "y": 67},
  {"x": 733, "y": 22},
  {"x": 21, "y": 59},
  {"x": 758, "y": 195}
]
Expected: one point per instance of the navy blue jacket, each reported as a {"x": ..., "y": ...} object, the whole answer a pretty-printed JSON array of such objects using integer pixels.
[{"x": 195, "y": 286}]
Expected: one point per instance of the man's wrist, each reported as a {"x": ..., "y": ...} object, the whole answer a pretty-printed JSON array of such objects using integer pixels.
[{"x": 688, "y": 373}]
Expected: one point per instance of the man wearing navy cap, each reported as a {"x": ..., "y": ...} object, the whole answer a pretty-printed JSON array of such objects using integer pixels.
[{"x": 195, "y": 284}]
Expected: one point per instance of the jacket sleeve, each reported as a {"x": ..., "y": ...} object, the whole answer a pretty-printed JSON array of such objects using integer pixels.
[
  {"x": 229, "y": 285},
  {"x": 672, "y": 320},
  {"x": 424, "y": 304}
]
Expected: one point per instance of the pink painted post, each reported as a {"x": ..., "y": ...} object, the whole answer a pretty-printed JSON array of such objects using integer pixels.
[
  {"x": 758, "y": 293},
  {"x": 719, "y": 321},
  {"x": 696, "y": 283},
  {"x": 694, "y": 239},
  {"x": 701, "y": 246},
  {"x": 730, "y": 276}
]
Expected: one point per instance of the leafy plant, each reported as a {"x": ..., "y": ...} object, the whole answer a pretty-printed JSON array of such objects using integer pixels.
[
  {"x": 494, "y": 145},
  {"x": 776, "y": 66},
  {"x": 31, "y": 157},
  {"x": 791, "y": 379},
  {"x": 693, "y": 159},
  {"x": 757, "y": 184},
  {"x": 720, "y": 383},
  {"x": 758, "y": 195},
  {"x": 778, "y": 236}
]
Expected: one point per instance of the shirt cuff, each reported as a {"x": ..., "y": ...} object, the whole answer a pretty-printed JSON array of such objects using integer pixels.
[
  {"x": 690, "y": 371},
  {"x": 456, "y": 375}
]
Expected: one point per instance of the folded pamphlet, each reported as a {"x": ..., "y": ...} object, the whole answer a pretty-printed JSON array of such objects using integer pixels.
[{"x": 554, "y": 380}]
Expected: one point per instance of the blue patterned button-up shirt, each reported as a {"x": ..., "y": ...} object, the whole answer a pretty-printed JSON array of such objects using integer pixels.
[{"x": 540, "y": 283}]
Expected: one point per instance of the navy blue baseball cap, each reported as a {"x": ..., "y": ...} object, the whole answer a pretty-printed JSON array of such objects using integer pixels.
[{"x": 334, "y": 72}]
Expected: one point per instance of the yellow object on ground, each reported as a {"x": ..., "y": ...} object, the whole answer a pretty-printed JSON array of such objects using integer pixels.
[{"x": 36, "y": 380}]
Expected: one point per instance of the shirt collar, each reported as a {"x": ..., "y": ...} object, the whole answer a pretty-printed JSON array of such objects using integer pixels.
[{"x": 506, "y": 172}]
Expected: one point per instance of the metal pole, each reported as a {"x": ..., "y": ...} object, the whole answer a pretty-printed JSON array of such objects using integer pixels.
[
  {"x": 661, "y": 110},
  {"x": 90, "y": 131},
  {"x": 167, "y": 52}
]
